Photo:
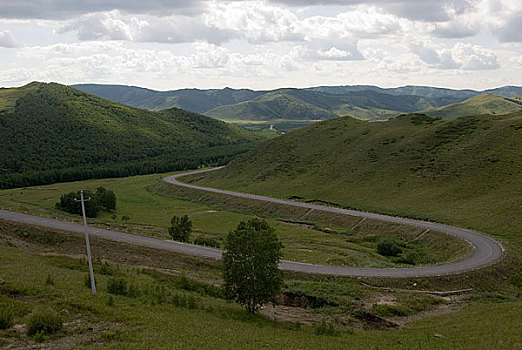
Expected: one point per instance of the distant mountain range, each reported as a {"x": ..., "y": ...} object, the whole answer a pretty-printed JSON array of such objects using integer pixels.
[
  {"x": 54, "y": 133},
  {"x": 307, "y": 105}
]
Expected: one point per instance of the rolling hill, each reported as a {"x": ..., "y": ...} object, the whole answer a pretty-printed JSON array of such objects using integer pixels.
[
  {"x": 464, "y": 171},
  {"x": 424, "y": 91},
  {"x": 194, "y": 100},
  {"x": 480, "y": 104},
  {"x": 52, "y": 133},
  {"x": 298, "y": 104}
]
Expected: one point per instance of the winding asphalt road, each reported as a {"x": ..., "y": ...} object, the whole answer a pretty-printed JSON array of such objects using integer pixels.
[{"x": 486, "y": 250}]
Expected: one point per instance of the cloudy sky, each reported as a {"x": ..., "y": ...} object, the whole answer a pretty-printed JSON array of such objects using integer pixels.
[{"x": 164, "y": 45}]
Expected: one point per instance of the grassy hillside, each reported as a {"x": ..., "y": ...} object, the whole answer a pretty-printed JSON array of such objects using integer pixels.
[
  {"x": 52, "y": 133},
  {"x": 465, "y": 171},
  {"x": 194, "y": 100},
  {"x": 169, "y": 301},
  {"x": 274, "y": 105},
  {"x": 298, "y": 104},
  {"x": 481, "y": 104},
  {"x": 424, "y": 91}
]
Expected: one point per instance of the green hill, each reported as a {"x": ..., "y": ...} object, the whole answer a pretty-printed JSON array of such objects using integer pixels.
[
  {"x": 273, "y": 105},
  {"x": 290, "y": 108},
  {"x": 52, "y": 133},
  {"x": 299, "y": 104},
  {"x": 466, "y": 171},
  {"x": 194, "y": 100},
  {"x": 480, "y": 104},
  {"x": 424, "y": 91}
]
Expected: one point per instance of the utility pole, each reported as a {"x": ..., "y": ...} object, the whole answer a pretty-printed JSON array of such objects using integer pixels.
[{"x": 91, "y": 272}]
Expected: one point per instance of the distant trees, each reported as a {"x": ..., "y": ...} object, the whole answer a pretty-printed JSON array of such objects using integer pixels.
[
  {"x": 250, "y": 264},
  {"x": 180, "y": 228},
  {"x": 100, "y": 199}
]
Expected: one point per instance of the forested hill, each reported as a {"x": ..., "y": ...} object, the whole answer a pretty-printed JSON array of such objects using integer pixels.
[{"x": 53, "y": 133}]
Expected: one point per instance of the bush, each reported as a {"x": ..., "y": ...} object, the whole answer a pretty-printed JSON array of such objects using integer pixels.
[
  {"x": 45, "y": 320},
  {"x": 117, "y": 286},
  {"x": 6, "y": 319},
  {"x": 516, "y": 280},
  {"x": 388, "y": 247},
  {"x": 411, "y": 257},
  {"x": 40, "y": 337},
  {"x": 390, "y": 310},
  {"x": 49, "y": 280},
  {"x": 324, "y": 328},
  {"x": 87, "y": 281},
  {"x": 206, "y": 241}
]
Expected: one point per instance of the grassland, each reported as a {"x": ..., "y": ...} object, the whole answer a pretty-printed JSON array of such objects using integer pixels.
[
  {"x": 481, "y": 104},
  {"x": 465, "y": 172},
  {"x": 172, "y": 302},
  {"x": 306, "y": 241}
]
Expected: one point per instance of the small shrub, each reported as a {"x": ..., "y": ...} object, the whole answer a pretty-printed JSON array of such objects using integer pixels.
[
  {"x": 117, "y": 286},
  {"x": 516, "y": 280},
  {"x": 45, "y": 320},
  {"x": 390, "y": 310},
  {"x": 410, "y": 257},
  {"x": 49, "y": 280},
  {"x": 133, "y": 291},
  {"x": 388, "y": 247},
  {"x": 110, "y": 301},
  {"x": 6, "y": 319},
  {"x": 178, "y": 300},
  {"x": 324, "y": 328},
  {"x": 206, "y": 241},
  {"x": 40, "y": 337},
  {"x": 192, "y": 302},
  {"x": 107, "y": 270},
  {"x": 159, "y": 295},
  {"x": 87, "y": 281},
  {"x": 112, "y": 335}
]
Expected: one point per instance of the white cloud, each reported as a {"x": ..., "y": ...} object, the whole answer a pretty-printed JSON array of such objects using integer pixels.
[
  {"x": 385, "y": 61},
  {"x": 260, "y": 42},
  {"x": 473, "y": 57},
  {"x": 460, "y": 56},
  {"x": 501, "y": 18},
  {"x": 256, "y": 21},
  {"x": 7, "y": 40},
  {"x": 64, "y": 9},
  {"x": 511, "y": 29},
  {"x": 169, "y": 29}
]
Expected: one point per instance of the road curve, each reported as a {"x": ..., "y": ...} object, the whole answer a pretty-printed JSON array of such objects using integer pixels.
[{"x": 486, "y": 250}]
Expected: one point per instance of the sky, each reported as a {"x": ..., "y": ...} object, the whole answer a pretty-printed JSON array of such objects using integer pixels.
[{"x": 167, "y": 45}]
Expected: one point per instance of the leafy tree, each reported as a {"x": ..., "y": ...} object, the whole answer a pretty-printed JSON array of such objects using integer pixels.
[
  {"x": 250, "y": 264},
  {"x": 106, "y": 198},
  {"x": 69, "y": 204},
  {"x": 180, "y": 228}
]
